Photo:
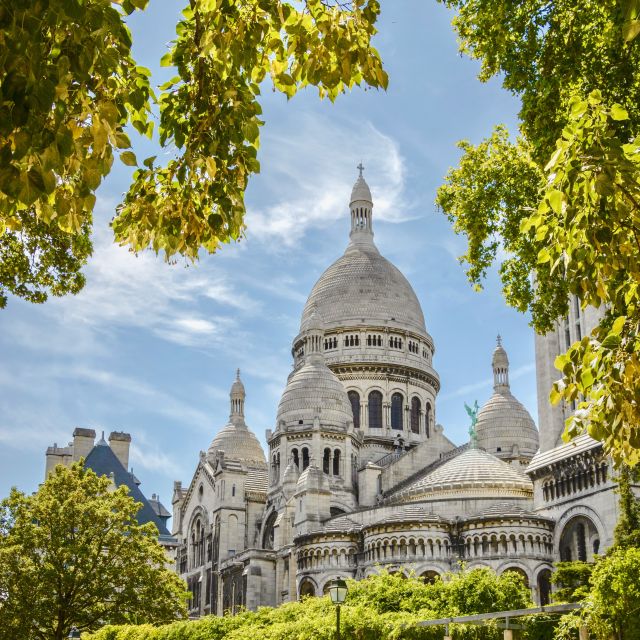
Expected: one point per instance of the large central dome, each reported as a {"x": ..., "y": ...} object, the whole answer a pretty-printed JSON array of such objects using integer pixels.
[{"x": 363, "y": 286}]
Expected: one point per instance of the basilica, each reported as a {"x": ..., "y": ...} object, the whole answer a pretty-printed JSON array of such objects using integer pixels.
[{"x": 359, "y": 476}]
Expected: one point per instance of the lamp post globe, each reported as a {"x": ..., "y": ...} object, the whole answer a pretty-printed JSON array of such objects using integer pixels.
[
  {"x": 338, "y": 593},
  {"x": 74, "y": 633}
]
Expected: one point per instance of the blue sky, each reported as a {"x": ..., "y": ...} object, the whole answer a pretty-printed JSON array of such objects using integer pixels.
[{"x": 151, "y": 349}]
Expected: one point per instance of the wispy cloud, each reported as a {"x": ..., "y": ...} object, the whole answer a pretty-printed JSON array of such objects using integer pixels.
[
  {"x": 467, "y": 389},
  {"x": 314, "y": 192}
]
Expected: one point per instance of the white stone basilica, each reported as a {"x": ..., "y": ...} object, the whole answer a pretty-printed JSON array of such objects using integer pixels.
[{"x": 360, "y": 476}]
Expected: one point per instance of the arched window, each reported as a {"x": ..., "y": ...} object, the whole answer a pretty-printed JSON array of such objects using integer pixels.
[
  {"x": 336, "y": 462},
  {"x": 427, "y": 420},
  {"x": 268, "y": 535},
  {"x": 307, "y": 589},
  {"x": 520, "y": 572},
  {"x": 305, "y": 458},
  {"x": 396, "y": 411},
  {"x": 578, "y": 540},
  {"x": 416, "y": 407},
  {"x": 544, "y": 587},
  {"x": 354, "y": 399},
  {"x": 325, "y": 460},
  {"x": 296, "y": 459},
  {"x": 375, "y": 410}
]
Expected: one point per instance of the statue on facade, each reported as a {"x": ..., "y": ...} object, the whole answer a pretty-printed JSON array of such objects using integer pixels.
[{"x": 473, "y": 414}]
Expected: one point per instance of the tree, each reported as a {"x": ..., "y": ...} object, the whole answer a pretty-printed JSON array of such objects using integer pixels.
[
  {"x": 571, "y": 580},
  {"x": 70, "y": 89},
  {"x": 72, "y": 554},
  {"x": 563, "y": 199},
  {"x": 613, "y": 607},
  {"x": 627, "y": 531}
]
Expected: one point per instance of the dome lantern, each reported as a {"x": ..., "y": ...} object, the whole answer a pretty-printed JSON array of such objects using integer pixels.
[
  {"x": 361, "y": 206},
  {"x": 500, "y": 364},
  {"x": 237, "y": 396}
]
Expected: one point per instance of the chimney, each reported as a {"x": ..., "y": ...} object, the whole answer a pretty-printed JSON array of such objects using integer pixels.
[
  {"x": 83, "y": 440},
  {"x": 119, "y": 443}
]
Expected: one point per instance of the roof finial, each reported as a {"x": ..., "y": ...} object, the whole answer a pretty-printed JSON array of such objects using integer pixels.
[
  {"x": 238, "y": 373},
  {"x": 499, "y": 340},
  {"x": 360, "y": 168}
]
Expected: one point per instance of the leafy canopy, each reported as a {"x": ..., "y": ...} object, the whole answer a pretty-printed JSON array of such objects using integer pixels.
[
  {"x": 70, "y": 90},
  {"x": 73, "y": 554},
  {"x": 563, "y": 199}
]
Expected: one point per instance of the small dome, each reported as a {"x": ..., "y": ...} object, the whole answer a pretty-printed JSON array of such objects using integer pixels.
[
  {"x": 238, "y": 443},
  {"x": 505, "y": 428},
  {"x": 235, "y": 439},
  {"x": 361, "y": 191},
  {"x": 313, "y": 390},
  {"x": 475, "y": 473}
]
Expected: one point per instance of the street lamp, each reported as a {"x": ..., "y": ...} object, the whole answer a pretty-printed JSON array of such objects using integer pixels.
[
  {"x": 338, "y": 593},
  {"x": 74, "y": 633}
]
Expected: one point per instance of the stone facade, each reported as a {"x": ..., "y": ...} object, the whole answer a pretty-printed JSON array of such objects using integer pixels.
[{"x": 359, "y": 475}]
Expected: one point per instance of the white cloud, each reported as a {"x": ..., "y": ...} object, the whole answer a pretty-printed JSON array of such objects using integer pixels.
[
  {"x": 313, "y": 170},
  {"x": 465, "y": 390}
]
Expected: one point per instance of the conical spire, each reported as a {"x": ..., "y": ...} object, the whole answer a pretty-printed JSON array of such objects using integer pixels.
[
  {"x": 361, "y": 206},
  {"x": 237, "y": 396},
  {"x": 500, "y": 364}
]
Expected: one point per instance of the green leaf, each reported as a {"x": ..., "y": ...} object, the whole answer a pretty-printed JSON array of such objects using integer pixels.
[
  {"x": 618, "y": 324},
  {"x": 618, "y": 113},
  {"x": 129, "y": 158},
  {"x": 556, "y": 198}
]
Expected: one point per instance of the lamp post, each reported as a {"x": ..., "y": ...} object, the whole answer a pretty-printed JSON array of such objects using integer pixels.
[
  {"x": 74, "y": 633},
  {"x": 338, "y": 593}
]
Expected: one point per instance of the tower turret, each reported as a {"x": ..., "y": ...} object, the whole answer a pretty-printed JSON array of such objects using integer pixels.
[
  {"x": 361, "y": 206},
  {"x": 237, "y": 396},
  {"x": 500, "y": 364}
]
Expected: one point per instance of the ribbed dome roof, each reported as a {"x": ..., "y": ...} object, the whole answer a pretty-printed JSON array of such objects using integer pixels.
[
  {"x": 363, "y": 285},
  {"x": 503, "y": 423},
  {"x": 313, "y": 388},
  {"x": 238, "y": 443},
  {"x": 475, "y": 472}
]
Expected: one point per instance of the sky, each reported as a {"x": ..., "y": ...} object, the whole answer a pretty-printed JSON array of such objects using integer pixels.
[{"x": 151, "y": 349}]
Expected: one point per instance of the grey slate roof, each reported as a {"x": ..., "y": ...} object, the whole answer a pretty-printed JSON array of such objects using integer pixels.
[
  {"x": 506, "y": 510},
  {"x": 411, "y": 513},
  {"x": 577, "y": 445},
  {"x": 102, "y": 461}
]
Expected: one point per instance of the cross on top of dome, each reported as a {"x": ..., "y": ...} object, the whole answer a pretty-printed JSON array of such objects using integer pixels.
[{"x": 360, "y": 168}]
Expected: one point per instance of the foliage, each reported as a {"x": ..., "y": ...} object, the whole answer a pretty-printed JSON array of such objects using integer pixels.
[
  {"x": 563, "y": 199},
  {"x": 627, "y": 531},
  {"x": 612, "y": 609},
  {"x": 382, "y": 607},
  {"x": 70, "y": 87},
  {"x": 571, "y": 581},
  {"x": 72, "y": 554}
]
